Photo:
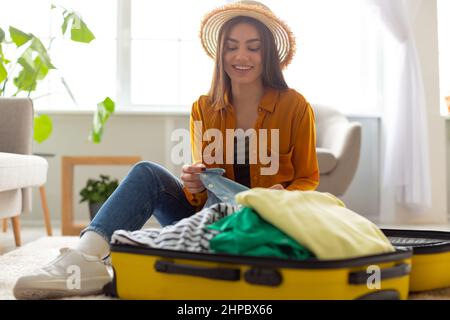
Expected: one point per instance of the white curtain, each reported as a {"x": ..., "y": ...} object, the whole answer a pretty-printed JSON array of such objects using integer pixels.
[{"x": 406, "y": 177}]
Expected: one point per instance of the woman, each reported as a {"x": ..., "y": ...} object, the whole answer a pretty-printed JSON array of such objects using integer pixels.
[{"x": 248, "y": 91}]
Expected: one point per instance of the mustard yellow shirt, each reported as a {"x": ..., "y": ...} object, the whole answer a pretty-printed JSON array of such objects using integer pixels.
[{"x": 286, "y": 110}]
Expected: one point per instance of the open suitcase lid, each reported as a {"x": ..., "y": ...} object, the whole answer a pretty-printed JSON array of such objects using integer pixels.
[{"x": 421, "y": 241}]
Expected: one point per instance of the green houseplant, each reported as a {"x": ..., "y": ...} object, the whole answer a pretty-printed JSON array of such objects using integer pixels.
[
  {"x": 29, "y": 63},
  {"x": 97, "y": 191}
]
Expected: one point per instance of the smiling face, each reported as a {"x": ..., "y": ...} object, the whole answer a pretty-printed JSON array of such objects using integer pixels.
[
  {"x": 245, "y": 43},
  {"x": 242, "y": 54}
]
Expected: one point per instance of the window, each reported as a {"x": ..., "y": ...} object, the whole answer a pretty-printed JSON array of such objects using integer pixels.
[
  {"x": 147, "y": 53},
  {"x": 88, "y": 69},
  {"x": 168, "y": 65},
  {"x": 338, "y": 59}
]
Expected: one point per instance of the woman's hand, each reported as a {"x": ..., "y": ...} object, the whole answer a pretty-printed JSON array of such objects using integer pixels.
[
  {"x": 191, "y": 178},
  {"x": 277, "y": 187}
]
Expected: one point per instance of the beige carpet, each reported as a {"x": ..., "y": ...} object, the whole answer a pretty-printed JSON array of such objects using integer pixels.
[{"x": 38, "y": 253}]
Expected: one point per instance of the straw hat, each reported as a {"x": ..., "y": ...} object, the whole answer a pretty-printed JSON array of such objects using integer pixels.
[{"x": 214, "y": 20}]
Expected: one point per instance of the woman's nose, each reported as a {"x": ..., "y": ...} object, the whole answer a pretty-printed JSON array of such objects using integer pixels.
[{"x": 241, "y": 56}]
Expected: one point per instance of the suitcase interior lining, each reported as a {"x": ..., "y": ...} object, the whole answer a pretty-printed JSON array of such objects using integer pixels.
[
  {"x": 422, "y": 242},
  {"x": 416, "y": 242}
]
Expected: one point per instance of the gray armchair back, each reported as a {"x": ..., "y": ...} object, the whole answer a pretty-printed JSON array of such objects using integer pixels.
[
  {"x": 338, "y": 143},
  {"x": 16, "y": 125}
]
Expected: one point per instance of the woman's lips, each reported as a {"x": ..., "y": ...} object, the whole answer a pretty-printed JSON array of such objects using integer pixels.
[{"x": 242, "y": 69}]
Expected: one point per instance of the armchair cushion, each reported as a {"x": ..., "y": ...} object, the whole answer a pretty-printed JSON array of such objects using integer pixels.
[
  {"x": 327, "y": 160},
  {"x": 338, "y": 149},
  {"x": 20, "y": 171}
]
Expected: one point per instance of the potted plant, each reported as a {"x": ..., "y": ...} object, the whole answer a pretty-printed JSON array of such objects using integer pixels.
[{"x": 97, "y": 191}]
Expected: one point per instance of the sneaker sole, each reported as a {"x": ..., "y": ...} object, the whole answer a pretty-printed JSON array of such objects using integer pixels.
[
  {"x": 37, "y": 293},
  {"x": 41, "y": 294}
]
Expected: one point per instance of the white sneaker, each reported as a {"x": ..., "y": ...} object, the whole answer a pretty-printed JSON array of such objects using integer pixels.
[{"x": 72, "y": 273}]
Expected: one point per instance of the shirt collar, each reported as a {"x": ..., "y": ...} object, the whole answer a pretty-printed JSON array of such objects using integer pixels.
[{"x": 268, "y": 100}]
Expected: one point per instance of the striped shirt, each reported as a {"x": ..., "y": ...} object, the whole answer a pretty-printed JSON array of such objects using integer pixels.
[{"x": 189, "y": 234}]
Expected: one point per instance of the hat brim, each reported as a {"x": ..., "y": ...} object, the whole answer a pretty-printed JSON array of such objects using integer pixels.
[{"x": 213, "y": 22}]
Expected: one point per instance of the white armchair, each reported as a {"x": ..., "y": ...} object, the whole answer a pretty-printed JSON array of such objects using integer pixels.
[
  {"x": 19, "y": 170},
  {"x": 338, "y": 149}
]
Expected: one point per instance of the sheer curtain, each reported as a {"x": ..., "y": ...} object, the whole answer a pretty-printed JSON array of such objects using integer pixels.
[{"x": 406, "y": 177}]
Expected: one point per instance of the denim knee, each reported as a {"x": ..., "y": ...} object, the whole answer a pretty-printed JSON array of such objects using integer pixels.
[{"x": 146, "y": 167}]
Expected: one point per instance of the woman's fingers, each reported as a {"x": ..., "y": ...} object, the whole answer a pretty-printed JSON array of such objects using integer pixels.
[
  {"x": 190, "y": 177},
  {"x": 277, "y": 187},
  {"x": 191, "y": 185},
  {"x": 192, "y": 182},
  {"x": 193, "y": 168},
  {"x": 194, "y": 187}
]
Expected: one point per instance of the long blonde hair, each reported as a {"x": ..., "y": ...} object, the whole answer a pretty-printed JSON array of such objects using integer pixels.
[{"x": 272, "y": 75}]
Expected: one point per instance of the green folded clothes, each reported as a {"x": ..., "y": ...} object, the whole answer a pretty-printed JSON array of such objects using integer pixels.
[{"x": 246, "y": 233}]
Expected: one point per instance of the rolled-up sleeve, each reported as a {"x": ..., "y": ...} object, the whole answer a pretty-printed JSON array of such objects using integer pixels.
[
  {"x": 304, "y": 155},
  {"x": 196, "y": 199}
]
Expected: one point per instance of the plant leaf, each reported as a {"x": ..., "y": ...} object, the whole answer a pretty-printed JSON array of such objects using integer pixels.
[
  {"x": 40, "y": 68},
  {"x": 104, "y": 110},
  {"x": 26, "y": 79},
  {"x": 67, "y": 19},
  {"x": 3, "y": 72},
  {"x": 43, "y": 128},
  {"x": 39, "y": 48},
  {"x": 19, "y": 37},
  {"x": 2, "y": 35},
  {"x": 109, "y": 105},
  {"x": 80, "y": 31},
  {"x": 33, "y": 70}
]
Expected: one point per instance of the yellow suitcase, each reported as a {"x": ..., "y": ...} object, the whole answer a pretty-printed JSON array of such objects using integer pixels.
[
  {"x": 431, "y": 257},
  {"x": 146, "y": 273}
]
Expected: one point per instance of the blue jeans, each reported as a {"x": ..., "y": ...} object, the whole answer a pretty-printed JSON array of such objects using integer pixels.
[{"x": 150, "y": 189}]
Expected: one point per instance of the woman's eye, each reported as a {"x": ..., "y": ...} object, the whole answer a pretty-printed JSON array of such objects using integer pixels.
[{"x": 251, "y": 49}]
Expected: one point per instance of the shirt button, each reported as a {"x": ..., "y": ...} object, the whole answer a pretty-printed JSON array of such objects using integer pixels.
[{"x": 210, "y": 185}]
